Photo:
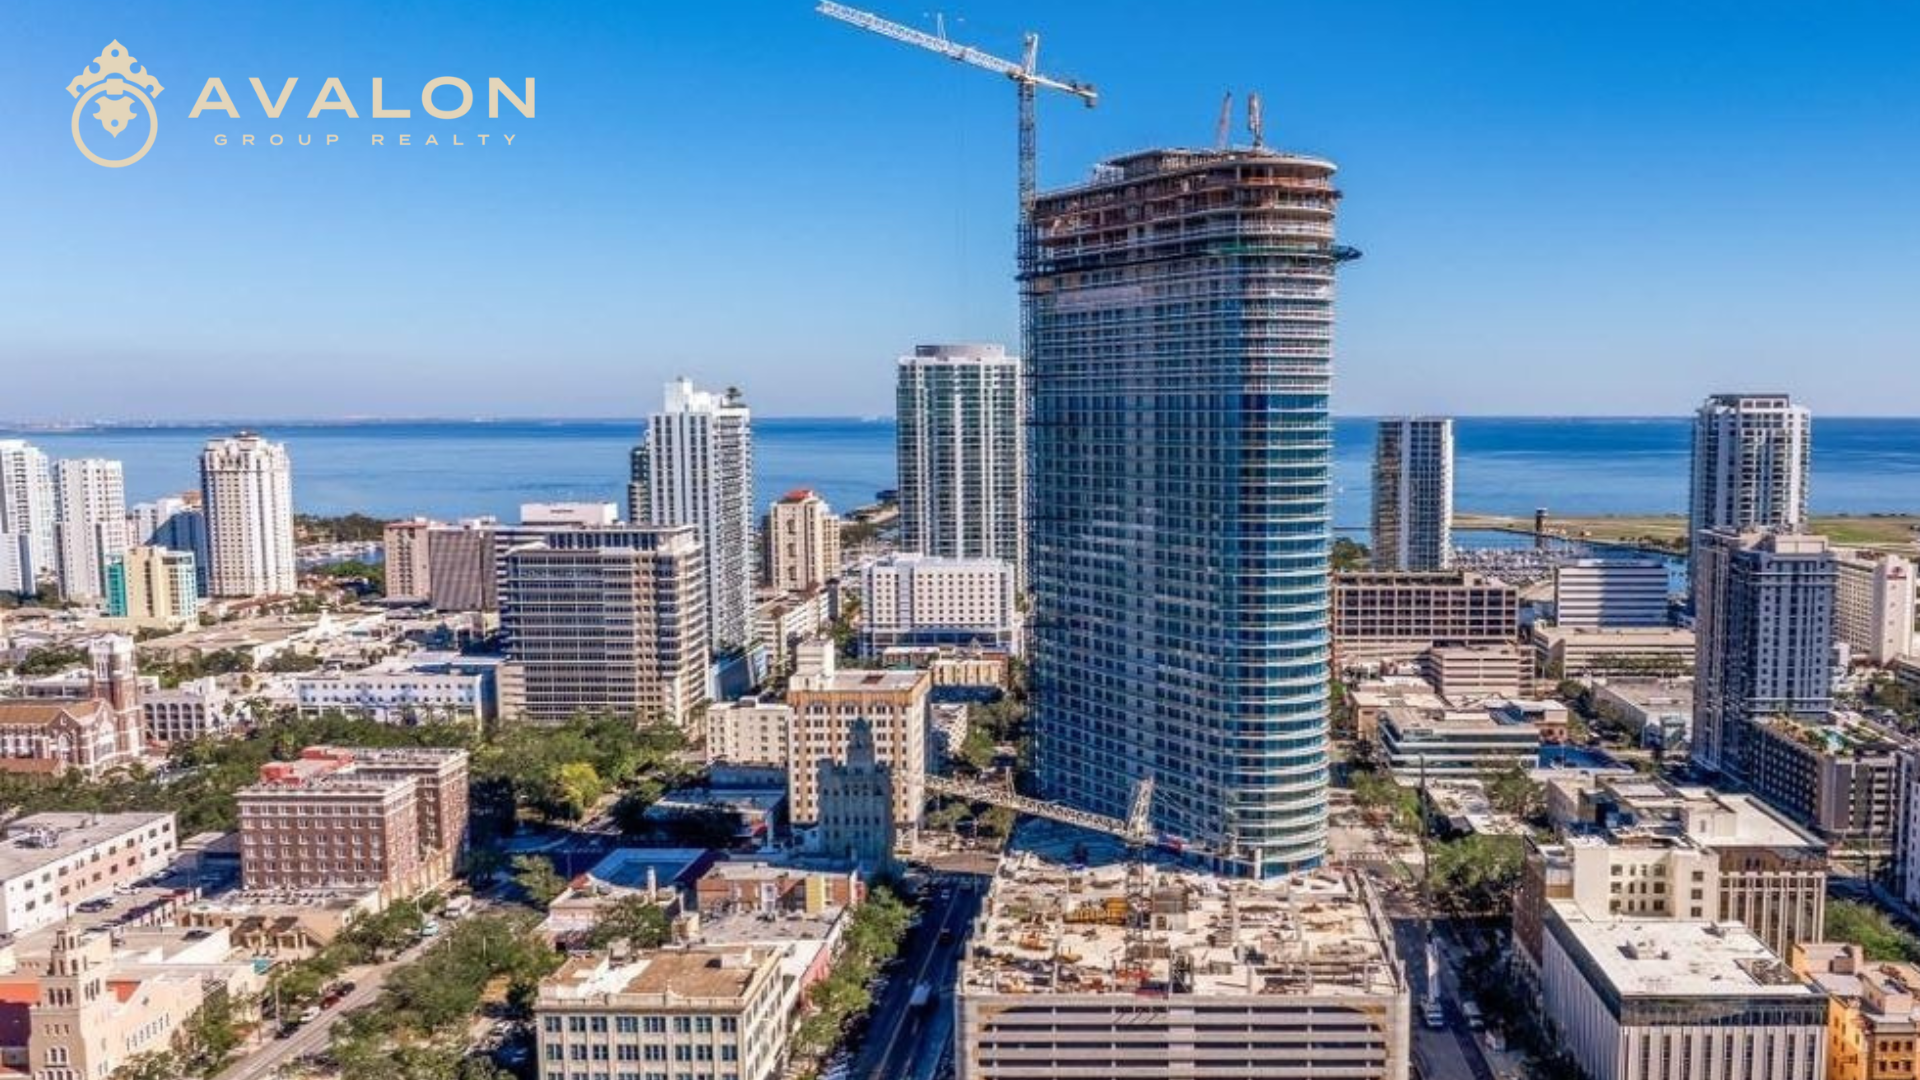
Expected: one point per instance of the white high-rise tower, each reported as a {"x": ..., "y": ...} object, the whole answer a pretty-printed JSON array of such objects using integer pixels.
[
  {"x": 696, "y": 468},
  {"x": 90, "y": 524},
  {"x": 962, "y": 453},
  {"x": 26, "y": 516},
  {"x": 1750, "y": 463},
  {"x": 246, "y": 486}
]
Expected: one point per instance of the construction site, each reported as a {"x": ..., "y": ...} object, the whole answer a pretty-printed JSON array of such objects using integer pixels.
[{"x": 1083, "y": 965}]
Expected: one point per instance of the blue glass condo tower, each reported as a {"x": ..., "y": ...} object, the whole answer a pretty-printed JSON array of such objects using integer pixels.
[{"x": 1180, "y": 312}]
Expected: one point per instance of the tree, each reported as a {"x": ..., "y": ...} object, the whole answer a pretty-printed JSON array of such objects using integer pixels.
[
  {"x": 535, "y": 875},
  {"x": 1476, "y": 874},
  {"x": 50, "y": 660},
  {"x": 580, "y": 787},
  {"x": 1512, "y": 791},
  {"x": 1350, "y": 555},
  {"x": 632, "y": 919}
]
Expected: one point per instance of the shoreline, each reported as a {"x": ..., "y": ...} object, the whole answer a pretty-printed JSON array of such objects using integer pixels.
[{"x": 1666, "y": 533}]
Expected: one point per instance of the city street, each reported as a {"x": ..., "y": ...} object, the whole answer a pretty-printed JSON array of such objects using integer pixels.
[
  {"x": 904, "y": 1043},
  {"x": 267, "y": 1056}
]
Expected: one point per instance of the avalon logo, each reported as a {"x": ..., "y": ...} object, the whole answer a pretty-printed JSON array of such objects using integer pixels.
[{"x": 111, "y": 82}]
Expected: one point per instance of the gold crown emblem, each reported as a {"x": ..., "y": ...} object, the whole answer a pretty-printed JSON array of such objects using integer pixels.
[
  {"x": 115, "y": 60},
  {"x": 115, "y": 78}
]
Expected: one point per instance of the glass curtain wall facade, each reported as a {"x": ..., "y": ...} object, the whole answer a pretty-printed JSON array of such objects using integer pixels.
[{"x": 1181, "y": 306}]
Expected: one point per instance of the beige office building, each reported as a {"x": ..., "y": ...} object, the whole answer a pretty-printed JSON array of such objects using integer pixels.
[
  {"x": 153, "y": 587},
  {"x": 703, "y": 1010},
  {"x": 605, "y": 620},
  {"x": 1398, "y": 616},
  {"x": 826, "y": 702},
  {"x": 749, "y": 732},
  {"x": 1873, "y": 605}
]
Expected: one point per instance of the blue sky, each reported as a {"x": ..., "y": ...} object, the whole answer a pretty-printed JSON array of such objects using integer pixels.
[{"x": 1586, "y": 206}]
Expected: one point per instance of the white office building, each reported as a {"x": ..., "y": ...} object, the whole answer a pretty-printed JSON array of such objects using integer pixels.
[
  {"x": 1413, "y": 493},
  {"x": 696, "y": 468},
  {"x": 395, "y": 697},
  {"x": 51, "y": 862},
  {"x": 90, "y": 524},
  {"x": 912, "y": 601},
  {"x": 962, "y": 453},
  {"x": 1873, "y": 605},
  {"x": 246, "y": 486},
  {"x": 1608, "y": 594},
  {"x": 26, "y": 517},
  {"x": 1652, "y": 999}
]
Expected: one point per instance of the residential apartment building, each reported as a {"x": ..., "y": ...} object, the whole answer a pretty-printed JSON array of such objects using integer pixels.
[
  {"x": 698, "y": 464},
  {"x": 1750, "y": 466},
  {"x": 1609, "y": 594},
  {"x": 1180, "y": 306},
  {"x": 27, "y": 553},
  {"x": 407, "y": 558},
  {"x": 1561, "y": 652},
  {"x": 1764, "y": 613},
  {"x": 749, "y": 732},
  {"x": 699, "y": 1010},
  {"x": 1626, "y": 997},
  {"x": 1906, "y": 841},
  {"x": 1839, "y": 776},
  {"x": 359, "y": 820},
  {"x": 803, "y": 543},
  {"x": 961, "y": 448},
  {"x": 605, "y": 620},
  {"x": 153, "y": 587},
  {"x": 246, "y": 486},
  {"x": 1397, "y": 617},
  {"x": 826, "y": 704},
  {"x": 90, "y": 524},
  {"x": 50, "y": 862},
  {"x": 1413, "y": 493},
  {"x": 175, "y": 524},
  {"x": 1236, "y": 980},
  {"x": 923, "y": 600},
  {"x": 1873, "y": 605}
]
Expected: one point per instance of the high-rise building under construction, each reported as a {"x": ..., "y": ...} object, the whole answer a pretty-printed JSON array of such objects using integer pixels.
[{"x": 1180, "y": 307}]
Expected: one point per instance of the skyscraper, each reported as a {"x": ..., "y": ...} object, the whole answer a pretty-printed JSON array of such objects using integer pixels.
[
  {"x": 26, "y": 516},
  {"x": 90, "y": 523},
  {"x": 1750, "y": 459},
  {"x": 1181, "y": 306},
  {"x": 246, "y": 486},
  {"x": 961, "y": 452},
  {"x": 803, "y": 542},
  {"x": 697, "y": 465},
  {"x": 604, "y": 620},
  {"x": 1765, "y": 619},
  {"x": 1413, "y": 493}
]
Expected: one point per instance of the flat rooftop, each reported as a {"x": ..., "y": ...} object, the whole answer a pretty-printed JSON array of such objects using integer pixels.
[
  {"x": 1679, "y": 957},
  {"x": 1052, "y": 927},
  {"x": 626, "y": 868},
  {"x": 43, "y": 839},
  {"x": 698, "y": 971}
]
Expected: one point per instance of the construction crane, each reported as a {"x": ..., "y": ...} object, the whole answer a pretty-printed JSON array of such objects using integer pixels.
[{"x": 1027, "y": 81}]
